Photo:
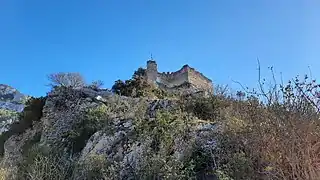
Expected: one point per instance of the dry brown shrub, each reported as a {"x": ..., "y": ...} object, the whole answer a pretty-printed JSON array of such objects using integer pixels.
[{"x": 278, "y": 137}]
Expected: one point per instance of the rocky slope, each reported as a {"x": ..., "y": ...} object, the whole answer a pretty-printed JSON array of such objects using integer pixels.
[
  {"x": 93, "y": 134},
  {"x": 11, "y": 103},
  {"x": 11, "y": 99}
]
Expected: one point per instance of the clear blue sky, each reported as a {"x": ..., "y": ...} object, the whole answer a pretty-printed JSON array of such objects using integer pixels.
[{"x": 109, "y": 39}]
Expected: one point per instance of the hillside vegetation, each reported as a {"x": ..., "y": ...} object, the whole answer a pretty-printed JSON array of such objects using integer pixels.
[{"x": 136, "y": 131}]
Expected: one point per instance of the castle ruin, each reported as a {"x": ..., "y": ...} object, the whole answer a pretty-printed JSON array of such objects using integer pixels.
[{"x": 186, "y": 76}]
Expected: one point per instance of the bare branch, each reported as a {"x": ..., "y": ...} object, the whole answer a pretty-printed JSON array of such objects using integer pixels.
[
  {"x": 66, "y": 79},
  {"x": 263, "y": 93}
]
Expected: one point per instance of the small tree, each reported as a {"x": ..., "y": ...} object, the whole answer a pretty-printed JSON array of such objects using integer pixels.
[
  {"x": 118, "y": 87},
  {"x": 139, "y": 73},
  {"x": 66, "y": 79}
]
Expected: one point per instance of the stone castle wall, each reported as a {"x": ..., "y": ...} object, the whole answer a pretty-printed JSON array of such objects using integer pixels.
[
  {"x": 185, "y": 75},
  {"x": 199, "y": 80},
  {"x": 174, "y": 78}
]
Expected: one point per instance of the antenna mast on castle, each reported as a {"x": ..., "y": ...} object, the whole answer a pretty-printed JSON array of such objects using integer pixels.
[{"x": 151, "y": 57}]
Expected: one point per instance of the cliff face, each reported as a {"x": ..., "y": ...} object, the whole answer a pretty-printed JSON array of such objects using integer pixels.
[{"x": 91, "y": 134}]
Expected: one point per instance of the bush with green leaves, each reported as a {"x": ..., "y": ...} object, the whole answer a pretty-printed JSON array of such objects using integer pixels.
[
  {"x": 93, "y": 120},
  {"x": 33, "y": 109},
  {"x": 7, "y": 113},
  {"x": 206, "y": 108},
  {"x": 6, "y": 118},
  {"x": 97, "y": 118},
  {"x": 160, "y": 161},
  {"x": 138, "y": 86},
  {"x": 134, "y": 87}
]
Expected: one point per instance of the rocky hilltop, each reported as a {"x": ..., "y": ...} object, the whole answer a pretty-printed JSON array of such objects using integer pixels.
[
  {"x": 92, "y": 134},
  {"x": 139, "y": 131}
]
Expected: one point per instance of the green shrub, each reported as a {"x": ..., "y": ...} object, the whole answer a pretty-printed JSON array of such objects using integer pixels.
[
  {"x": 206, "y": 108},
  {"x": 7, "y": 113},
  {"x": 93, "y": 168},
  {"x": 159, "y": 161},
  {"x": 158, "y": 166},
  {"x": 92, "y": 121},
  {"x": 97, "y": 118},
  {"x": 138, "y": 86},
  {"x": 33, "y": 109}
]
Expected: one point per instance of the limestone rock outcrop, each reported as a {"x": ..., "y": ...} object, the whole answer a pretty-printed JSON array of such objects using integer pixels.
[{"x": 99, "y": 129}]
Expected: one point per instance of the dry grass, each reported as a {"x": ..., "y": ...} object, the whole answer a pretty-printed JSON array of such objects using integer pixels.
[
  {"x": 279, "y": 139},
  {"x": 293, "y": 151},
  {"x": 51, "y": 167},
  {"x": 274, "y": 146},
  {"x": 4, "y": 174}
]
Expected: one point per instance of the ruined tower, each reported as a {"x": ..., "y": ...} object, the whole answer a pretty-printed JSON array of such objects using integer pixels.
[{"x": 152, "y": 71}]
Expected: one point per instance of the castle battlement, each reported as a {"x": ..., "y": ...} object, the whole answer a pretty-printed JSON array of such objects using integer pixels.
[{"x": 186, "y": 74}]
